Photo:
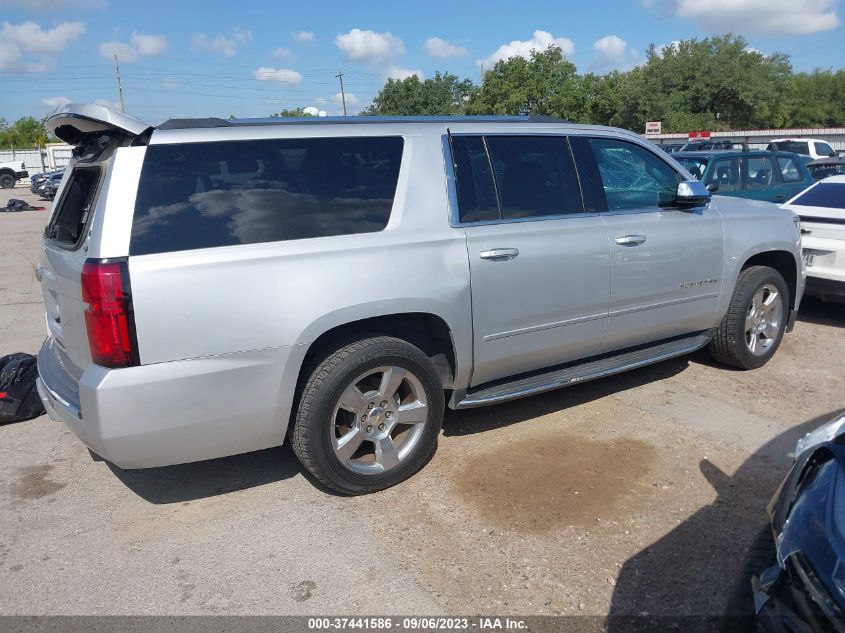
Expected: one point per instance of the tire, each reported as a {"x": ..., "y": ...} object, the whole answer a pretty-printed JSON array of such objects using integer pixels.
[
  {"x": 735, "y": 345},
  {"x": 738, "y": 616},
  {"x": 7, "y": 181},
  {"x": 373, "y": 393}
]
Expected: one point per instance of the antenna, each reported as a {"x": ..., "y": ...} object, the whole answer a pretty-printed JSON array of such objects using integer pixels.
[{"x": 119, "y": 84}]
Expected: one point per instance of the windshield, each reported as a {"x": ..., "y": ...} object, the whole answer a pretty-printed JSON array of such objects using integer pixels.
[
  {"x": 796, "y": 147},
  {"x": 826, "y": 194},
  {"x": 695, "y": 166}
]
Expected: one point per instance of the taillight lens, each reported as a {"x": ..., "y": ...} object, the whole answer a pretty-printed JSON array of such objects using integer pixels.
[{"x": 108, "y": 313}]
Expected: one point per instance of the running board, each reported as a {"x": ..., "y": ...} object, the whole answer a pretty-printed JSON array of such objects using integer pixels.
[{"x": 574, "y": 374}]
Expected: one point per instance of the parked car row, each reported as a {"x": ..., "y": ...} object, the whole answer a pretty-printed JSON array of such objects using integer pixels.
[
  {"x": 759, "y": 175},
  {"x": 46, "y": 184}
]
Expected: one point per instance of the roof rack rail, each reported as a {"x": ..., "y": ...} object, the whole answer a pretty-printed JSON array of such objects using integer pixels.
[{"x": 185, "y": 124}]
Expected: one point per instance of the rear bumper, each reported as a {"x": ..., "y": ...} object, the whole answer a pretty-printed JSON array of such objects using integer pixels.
[{"x": 178, "y": 412}]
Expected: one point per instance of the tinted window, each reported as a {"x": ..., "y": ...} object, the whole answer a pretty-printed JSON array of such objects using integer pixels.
[
  {"x": 725, "y": 174},
  {"x": 796, "y": 147},
  {"x": 789, "y": 170},
  {"x": 632, "y": 176},
  {"x": 820, "y": 172},
  {"x": 535, "y": 176},
  {"x": 476, "y": 191},
  {"x": 200, "y": 195},
  {"x": 823, "y": 149},
  {"x": 759, "y": 173},
  {"x": 830, "y": 195},
  {"x": 75, "y": 206}
]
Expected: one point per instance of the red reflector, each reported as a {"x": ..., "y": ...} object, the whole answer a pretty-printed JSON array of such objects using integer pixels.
[
  {"x": 2, "y": 395},
  {"x": 107, "y": 313}
]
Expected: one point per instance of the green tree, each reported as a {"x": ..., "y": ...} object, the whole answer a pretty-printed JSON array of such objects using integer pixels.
[
  {"x": 25, "y": 133},
  {"x": 546, "y": 84},
  {"x": 293, "y": 113},
  {"x": 442, "y": 94},
  {"x": 714, "y": 83}
]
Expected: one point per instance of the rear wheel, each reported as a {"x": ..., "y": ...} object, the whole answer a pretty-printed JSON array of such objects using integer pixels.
[
  {"x": 7, "y": 181},
  {"x": 369, "y": 415},
  {"x": 753, "y": 327}
]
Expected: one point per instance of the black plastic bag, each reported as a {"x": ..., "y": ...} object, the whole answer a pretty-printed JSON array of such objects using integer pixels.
[{"x": 18, "y": 395}]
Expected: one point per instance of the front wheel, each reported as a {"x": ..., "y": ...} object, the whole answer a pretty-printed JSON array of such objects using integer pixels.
[
  {"x": 369, "y": 415},
  {"x": 753, "y": 327}
]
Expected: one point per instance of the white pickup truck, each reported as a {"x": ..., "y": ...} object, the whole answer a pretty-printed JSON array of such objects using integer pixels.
[{"x": 11, "y": 172}]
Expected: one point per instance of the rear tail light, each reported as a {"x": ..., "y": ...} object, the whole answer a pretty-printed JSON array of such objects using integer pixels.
[{"x": 109, "y": 318}]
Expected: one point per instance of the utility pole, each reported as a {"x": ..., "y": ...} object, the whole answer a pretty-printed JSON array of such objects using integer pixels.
[
  {"x": 339, "y": 75},
  {"x": 119, "y": 84}
]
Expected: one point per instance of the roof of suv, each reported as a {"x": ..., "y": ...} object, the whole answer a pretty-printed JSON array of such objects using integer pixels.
[{"x": 187, "y": 124}]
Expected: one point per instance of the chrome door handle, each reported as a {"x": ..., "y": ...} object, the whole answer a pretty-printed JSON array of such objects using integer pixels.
[
  {"x": 499, "y": 254},
  {"x": 630, "y": 240}
]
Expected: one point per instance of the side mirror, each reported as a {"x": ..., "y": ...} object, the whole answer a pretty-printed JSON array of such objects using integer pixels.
[
  {"x": 691, "y": 193},
  {"x": 712, "y": 187}
]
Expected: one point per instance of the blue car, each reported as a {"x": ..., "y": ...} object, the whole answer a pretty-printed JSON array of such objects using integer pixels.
[{"x": 759, "y": 175}]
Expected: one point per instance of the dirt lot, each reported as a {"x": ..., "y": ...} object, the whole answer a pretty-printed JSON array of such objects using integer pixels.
[{"x": 633, "y": 494}]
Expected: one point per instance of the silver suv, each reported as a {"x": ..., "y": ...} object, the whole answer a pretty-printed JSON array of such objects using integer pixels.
[{"x": 213, "y": 285}]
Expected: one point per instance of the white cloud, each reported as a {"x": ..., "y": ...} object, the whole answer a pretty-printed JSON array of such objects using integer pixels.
[
  {"x": 440, "y": 48},
  {"x": 169, "y": 83},
  {"x": 31, "y": 38},
  {"x": 227, "y": 45},
  {"x": 397, "y": 72},
  {"x": 149, "y": 45},
  {"x": 522, "y": 48},
  {"x": 304, "y": 36},
  {"x": 282, "y": 53},
  {"x": 351, "y": 100},
  {"x": 283, "y": 75},
  {"x": 612, "y": 51},
  {"x": 55, "y": 102},
  {"x": 143, "y": 45},
  {"x": 125, "y": 52},
  {"x": 769, "y": 17},
  {"x": 370, "y": 47}
]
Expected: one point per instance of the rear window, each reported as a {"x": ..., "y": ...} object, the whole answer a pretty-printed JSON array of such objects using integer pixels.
[
  {"x": 830, "y": 195},
  {"x": 796, "y": 147},
  {"x": 68, "y": 223},
  {"x": 202, "y": 195}
]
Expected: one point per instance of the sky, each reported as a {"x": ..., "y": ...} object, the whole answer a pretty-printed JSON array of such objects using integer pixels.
[{"x": 192, "y": 59}]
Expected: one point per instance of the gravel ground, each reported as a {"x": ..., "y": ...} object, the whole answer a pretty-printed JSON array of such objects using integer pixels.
[{"x": 634, "y": 494}]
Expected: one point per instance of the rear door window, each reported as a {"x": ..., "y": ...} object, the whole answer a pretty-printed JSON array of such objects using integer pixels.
[
  {"x": 725, "y": 174},
  {"x": 514, "y": 177},
  {"x": 202, "y": 195},
  {"x": 759, "y": 172},
  {"x": 477, "y": 200},
  {"x": 68, "y": 223},
  {"x": 535, "y": 176}
]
